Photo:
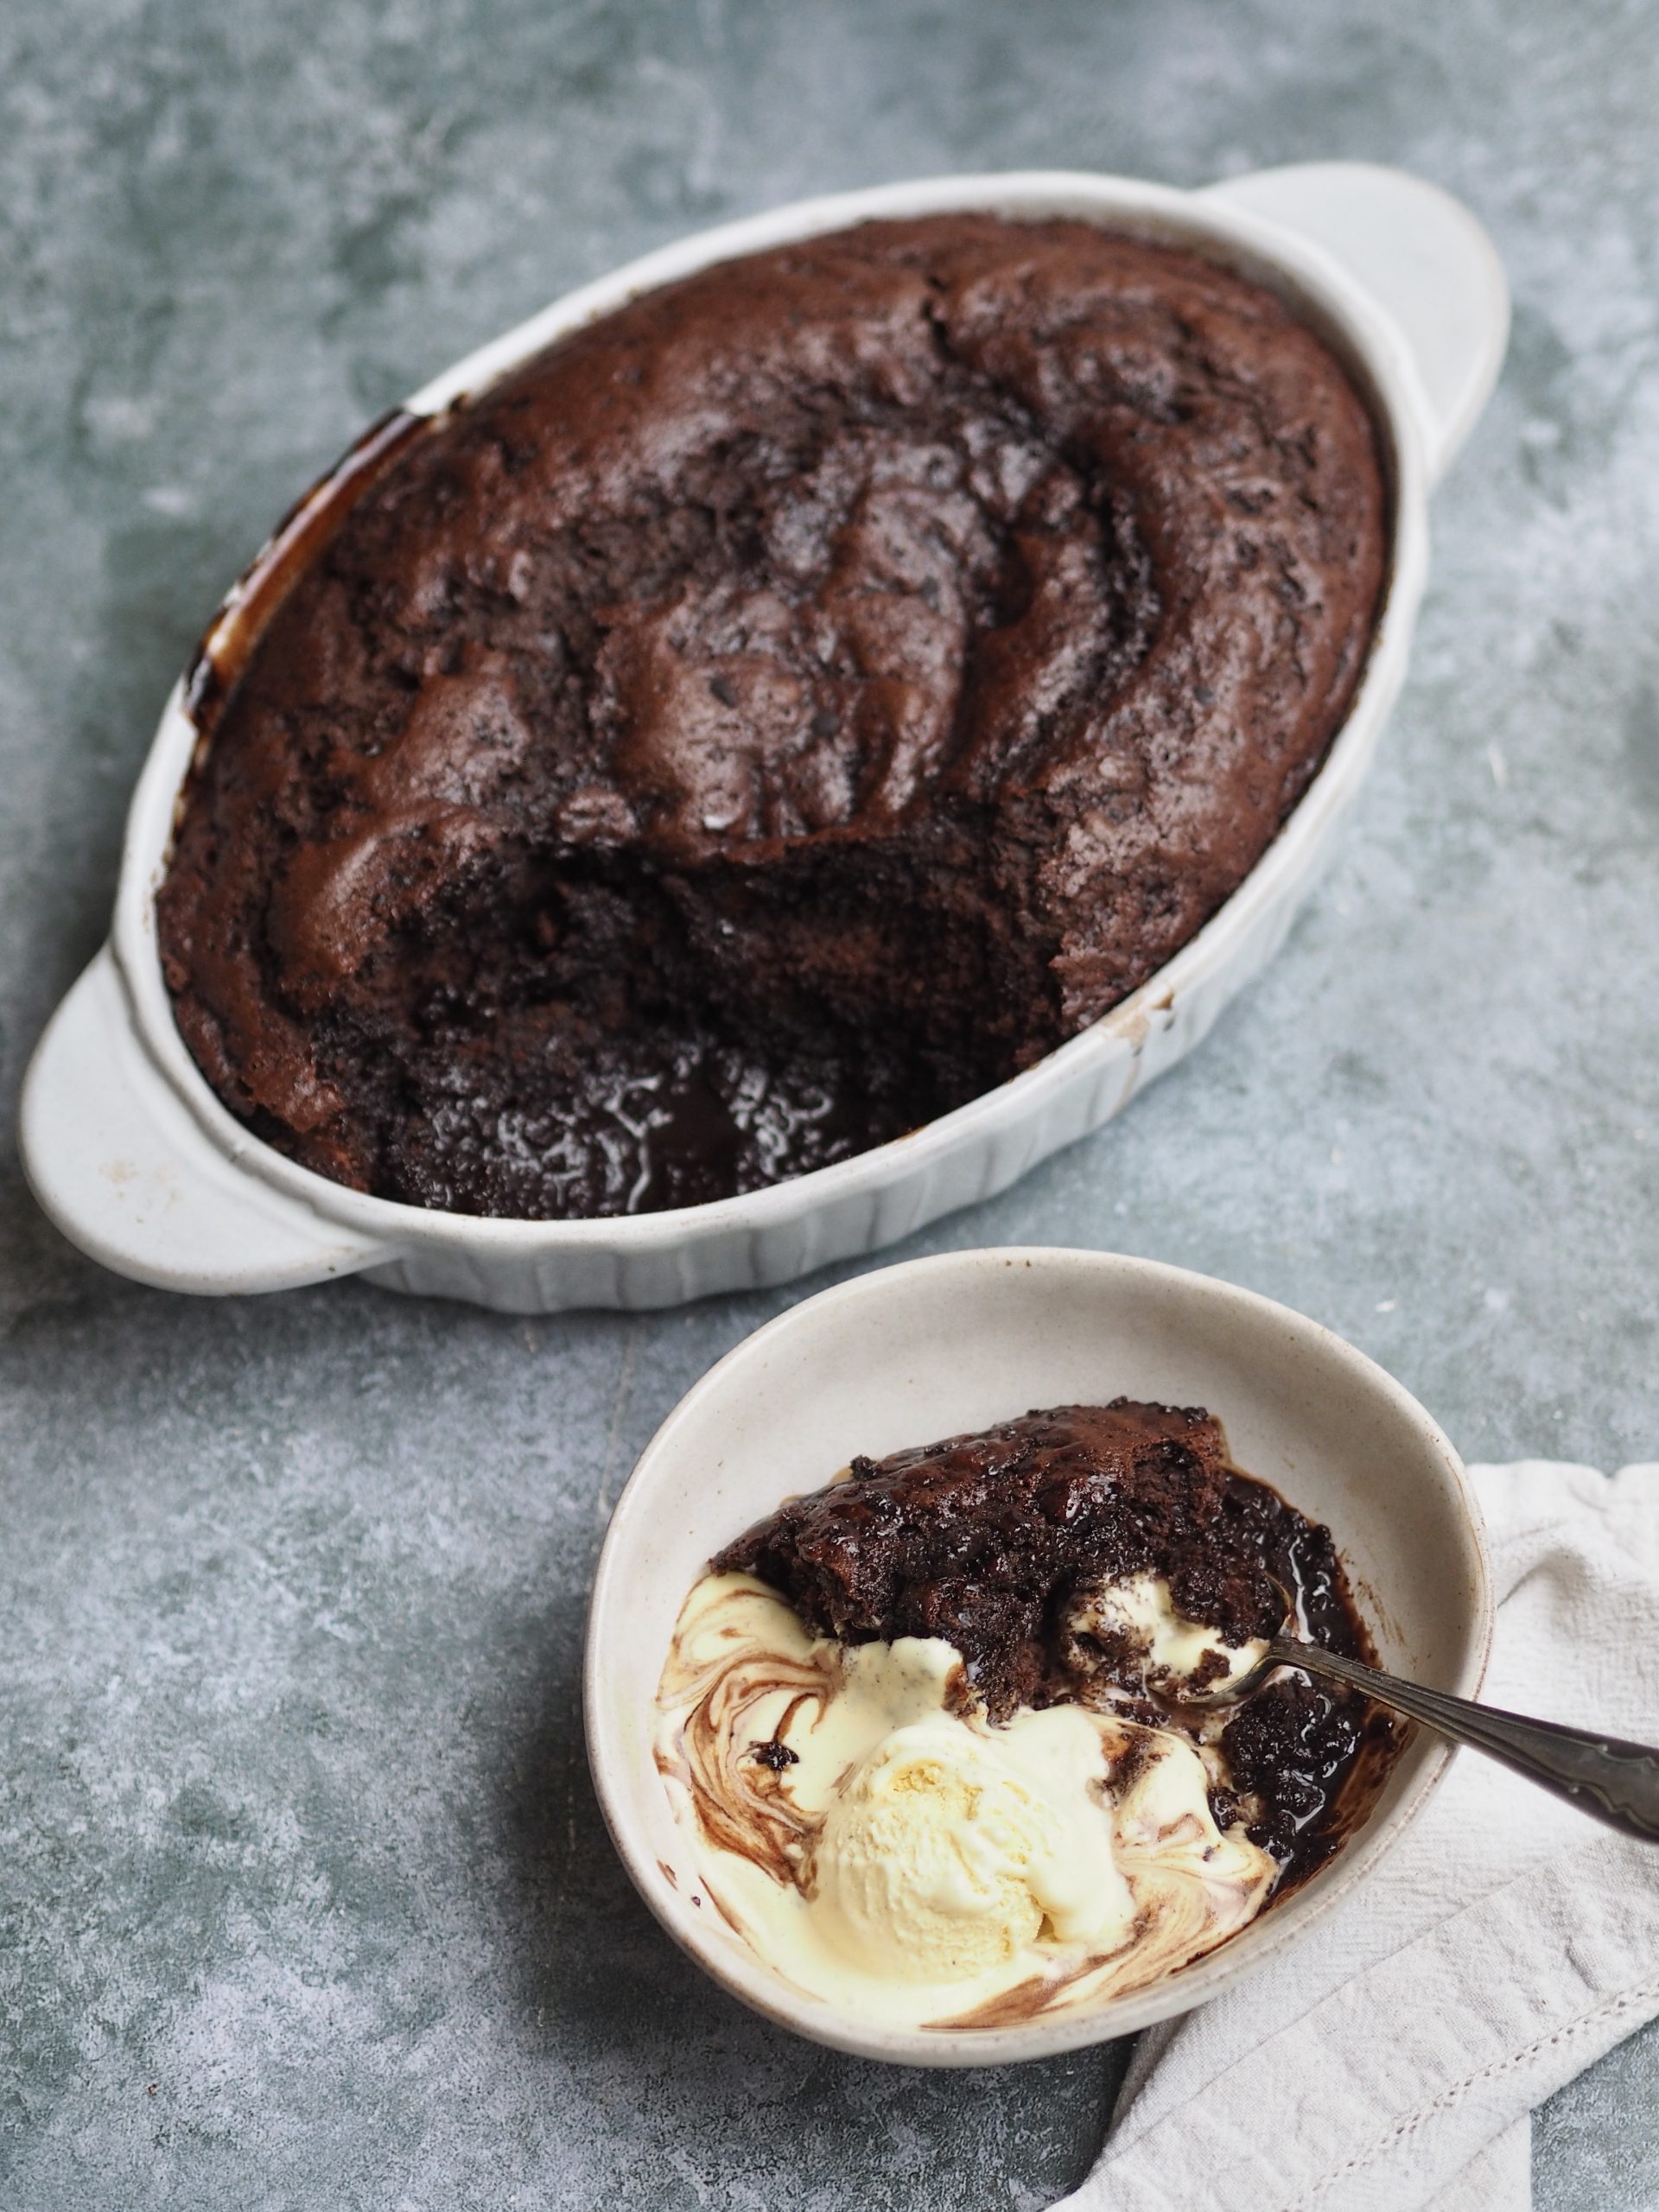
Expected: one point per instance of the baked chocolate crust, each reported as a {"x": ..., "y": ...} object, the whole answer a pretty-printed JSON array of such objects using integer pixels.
[{"x": 774, "y": 715}]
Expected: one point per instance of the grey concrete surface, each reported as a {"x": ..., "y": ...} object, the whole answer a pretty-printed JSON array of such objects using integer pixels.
[{"x": 306, "y": 1901}]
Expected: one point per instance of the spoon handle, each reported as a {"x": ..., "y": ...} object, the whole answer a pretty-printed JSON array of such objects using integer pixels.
[{"x": 1611, "y": 1780}]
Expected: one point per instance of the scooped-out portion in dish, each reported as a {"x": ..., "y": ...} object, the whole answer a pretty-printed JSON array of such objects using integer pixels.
[
  {"x": 772, "y": 716},
  {"x": 934, "y": 1734}
]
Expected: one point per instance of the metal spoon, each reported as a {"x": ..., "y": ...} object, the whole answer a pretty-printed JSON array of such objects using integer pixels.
[{"x": 1610, "y": 1779}]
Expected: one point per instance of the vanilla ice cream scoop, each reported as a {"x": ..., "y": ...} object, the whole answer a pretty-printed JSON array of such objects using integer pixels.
[
  {"x": 873, "y": 1836},
  {"x": 931, "y": 1859},
  {"x": 945, "y": 1856}
]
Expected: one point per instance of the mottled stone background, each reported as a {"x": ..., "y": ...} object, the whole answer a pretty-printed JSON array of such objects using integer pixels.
[{"x": 306, "y": 1900}]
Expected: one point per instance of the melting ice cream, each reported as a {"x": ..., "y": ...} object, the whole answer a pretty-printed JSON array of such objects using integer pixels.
[{"x": 877, "y": 1839}]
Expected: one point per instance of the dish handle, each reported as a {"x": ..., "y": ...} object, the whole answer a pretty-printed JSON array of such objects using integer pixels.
[
  {"x": 1425, "y": 261},
  {"x": 120, "y": 1164}
]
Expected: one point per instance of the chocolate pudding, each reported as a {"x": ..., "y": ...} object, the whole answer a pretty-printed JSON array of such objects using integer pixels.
[
  {"x": 1005, "y": 1546},
  {"x": 772, "y": 716}
]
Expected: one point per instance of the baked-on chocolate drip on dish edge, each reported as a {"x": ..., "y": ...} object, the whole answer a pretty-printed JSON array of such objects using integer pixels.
[{"x": 773, "y": 716}]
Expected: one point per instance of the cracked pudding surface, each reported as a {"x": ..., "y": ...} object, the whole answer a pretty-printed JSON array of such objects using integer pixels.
[{"x": 774, "y": 715}]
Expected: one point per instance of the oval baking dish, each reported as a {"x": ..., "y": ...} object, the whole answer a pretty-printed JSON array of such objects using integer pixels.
[{"x": 136, "y": 1159}]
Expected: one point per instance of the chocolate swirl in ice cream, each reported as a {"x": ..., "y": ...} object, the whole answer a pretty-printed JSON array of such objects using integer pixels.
[{"x": 724, "y": 1674}]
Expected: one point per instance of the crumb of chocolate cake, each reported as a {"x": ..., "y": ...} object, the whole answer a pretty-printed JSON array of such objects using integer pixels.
[
  {"x": 1210, "y": 1667},
  {"x": 775, "y": 1754}
]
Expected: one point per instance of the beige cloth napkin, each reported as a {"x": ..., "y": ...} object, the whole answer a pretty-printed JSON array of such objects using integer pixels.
[{"x": 1392, "y": 2060}]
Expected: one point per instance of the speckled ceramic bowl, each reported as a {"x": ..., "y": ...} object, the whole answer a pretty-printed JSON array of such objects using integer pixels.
[
  {"x": 137, "y": 1160},
  {"x": 910, "y": 1353}
]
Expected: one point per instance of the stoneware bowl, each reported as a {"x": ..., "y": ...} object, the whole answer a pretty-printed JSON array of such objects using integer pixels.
[
  {"x": 135, "y": 1157},
  {"x": 908, "y": 1354}
]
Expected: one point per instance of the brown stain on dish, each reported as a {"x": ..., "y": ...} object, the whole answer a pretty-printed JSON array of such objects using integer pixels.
[
  {"x": 1040, "y": 1993},
  {"x": 722, "y": 1909}
]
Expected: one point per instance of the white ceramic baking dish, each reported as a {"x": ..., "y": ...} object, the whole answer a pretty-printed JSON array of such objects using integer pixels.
[
  {"x": 904, "y": 1354},
  {"x": 137, "y": 1161}
]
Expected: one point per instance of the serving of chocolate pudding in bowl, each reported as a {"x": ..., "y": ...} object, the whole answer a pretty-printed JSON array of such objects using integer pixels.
[
  {"x": 914, "y": 1745},
  {"x": 938, "y": 1732},
  {"x": 762, "y": 755}
]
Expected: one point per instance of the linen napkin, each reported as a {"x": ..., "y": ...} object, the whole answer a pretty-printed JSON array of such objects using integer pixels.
[{"x": 1392, "y": 2059}]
